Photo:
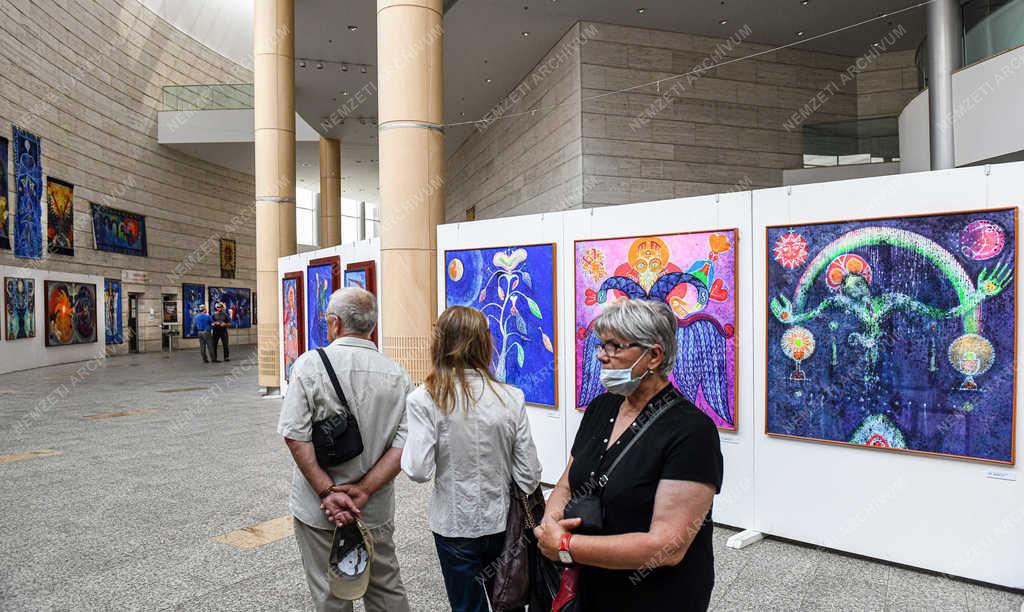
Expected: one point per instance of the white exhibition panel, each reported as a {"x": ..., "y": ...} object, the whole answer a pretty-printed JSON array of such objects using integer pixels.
[
  {"x": 948, "y": 515},
  {"x": 546, "y": 424},
  {"x": 734, "y": 505},
  {"x": 30, "y": 353},
  {"x": 351, "y": 252}
]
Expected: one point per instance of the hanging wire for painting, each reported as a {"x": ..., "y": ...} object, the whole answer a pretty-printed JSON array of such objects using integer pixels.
[{"x": 674, "y": 77}]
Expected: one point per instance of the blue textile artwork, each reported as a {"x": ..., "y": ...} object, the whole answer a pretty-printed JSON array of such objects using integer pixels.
[{"x": 28, "y": 183}]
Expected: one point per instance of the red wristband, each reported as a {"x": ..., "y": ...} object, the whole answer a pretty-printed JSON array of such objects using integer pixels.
[{"x": 563, "y": 544}]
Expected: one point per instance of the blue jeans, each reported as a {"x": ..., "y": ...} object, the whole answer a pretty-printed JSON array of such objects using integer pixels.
[{"x": 463, "y": 565}]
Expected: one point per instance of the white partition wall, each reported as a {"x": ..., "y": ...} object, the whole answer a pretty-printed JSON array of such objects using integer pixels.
[
  {"x": 956, "y": 516},
  {"x": 351, "y": 252},
  {"x": 32, "y": 352},
  {"x": 546, "y": 424},
  {"x": 734, "y": 506}
]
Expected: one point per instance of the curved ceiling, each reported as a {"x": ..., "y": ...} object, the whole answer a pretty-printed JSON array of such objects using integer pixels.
[{"x": 222, "y": 25}]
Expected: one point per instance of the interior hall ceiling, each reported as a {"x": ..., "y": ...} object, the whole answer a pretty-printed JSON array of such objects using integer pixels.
[{"x": 484, "y": 39}]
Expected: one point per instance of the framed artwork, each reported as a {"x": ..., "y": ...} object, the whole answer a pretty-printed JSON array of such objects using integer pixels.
[
  {"x": 255, "y": 310},
  {"x": 695, "y": 274},
  {"x": 60, "y": 217},
  {"x": 170, "y": 311},
  {"x": 293, "y": 338},
  {"x": 515, "y": 287},
  {"x": 323, "y": 277},
  {"x": 237, "y": 303},
  {"x": 362, "y": 274},
  {"x": 192, "y": 297},
  {"x": 119, "y": 231},
  {"x": 5, "y": 208},
  {"x": 112, "y": 303},
  {"x": 228, "y": 251},
  {"x": 896, "y": 333},
  {"x": 28, "y": 184},
  {"x": 70, "y": 313},
  {"x": 20, "y": 314}
]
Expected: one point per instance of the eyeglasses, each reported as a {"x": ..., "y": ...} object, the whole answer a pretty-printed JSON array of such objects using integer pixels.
[{"x": 612, "y": 349}]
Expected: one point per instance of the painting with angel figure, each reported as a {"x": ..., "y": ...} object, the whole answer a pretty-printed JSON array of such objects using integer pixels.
[
  {"x": 515, "y": 287},
  {"x": 695, "y": 274}
]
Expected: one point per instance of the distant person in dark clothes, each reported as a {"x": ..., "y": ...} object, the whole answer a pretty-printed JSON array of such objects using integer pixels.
[
  {"x": 201, "y": 325},
  {"x": 221, "y": 323}
]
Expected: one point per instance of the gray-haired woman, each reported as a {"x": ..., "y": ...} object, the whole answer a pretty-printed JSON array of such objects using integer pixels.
[{"x": 653, "y": 550}]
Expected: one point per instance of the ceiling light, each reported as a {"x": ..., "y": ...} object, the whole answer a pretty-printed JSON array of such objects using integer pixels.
[
  {"x": 723, "y": 21},
  {"x": 319, "y": 65},
  {"x": 800, "y": 33},
  {"x": 362, "y": 69},
  {"x": 305, "y": 165},
  {"x": 344, "y": 67},
  {"x": 488, "y": 80},
  {"x": 526, "y": 34},
  {"x": 353, "y": 28},
  {"x": 344, "y": 93},
  {"x": 462, "y": 114},
  {"x": 641, "y": 11},
  {"x": 805, "y": 2},
  {"x": 302, "y": 64}
]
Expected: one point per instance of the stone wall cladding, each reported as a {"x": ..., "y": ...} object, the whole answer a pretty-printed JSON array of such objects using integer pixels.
[{"x": 86, "y": 77}]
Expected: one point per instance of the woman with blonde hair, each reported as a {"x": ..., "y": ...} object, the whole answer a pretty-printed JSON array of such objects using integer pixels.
[{"x": 470, "y": 433}]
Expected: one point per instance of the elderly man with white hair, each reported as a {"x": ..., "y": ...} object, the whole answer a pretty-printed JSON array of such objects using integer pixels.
[{"x": 375, "y": 389}]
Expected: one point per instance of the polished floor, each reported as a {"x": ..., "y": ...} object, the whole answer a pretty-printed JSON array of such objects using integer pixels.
[{"x": 147, "y": 482}]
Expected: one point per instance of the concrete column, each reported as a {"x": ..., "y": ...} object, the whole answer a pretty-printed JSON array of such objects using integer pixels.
[
  {"x": 945, "y": 55},
  {"x": 409, "y": 59},
  {"x": 330, "y": 192},
  {"x": 274, "y": 88}
]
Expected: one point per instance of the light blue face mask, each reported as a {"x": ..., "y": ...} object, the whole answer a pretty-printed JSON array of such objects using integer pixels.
[{"x": 621, "y": 381}]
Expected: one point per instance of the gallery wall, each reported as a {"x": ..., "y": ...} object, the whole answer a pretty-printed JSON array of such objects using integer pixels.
[
  {"x": 952, "y": 515},
  {"x": 86, "y": 78},
  {"x": 27, "y": 353}
]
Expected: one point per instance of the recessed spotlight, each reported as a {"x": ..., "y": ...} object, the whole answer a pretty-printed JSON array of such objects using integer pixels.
[
  {"x": 641, "y": 11},
  {"x": 344, "y": 67},
  {"x": 487, "y": 80},
  {"x": 805, "y": 2},
  {"x": 723, "y": 21},
  {"x": 800, "y": 33},
  {"x": 462, "y": 114},
  {"x": 319, "y": 65},
  {"x": 305, "y": 164},
  {"x": 363, "y": 69},
  {"x": 344, "y": 93},
  {"x": 353, "y": 28},
  {"x": 302, "y": 64},
  {"x": 876, "y": 44},
  {"x": 526, "y": 34}
]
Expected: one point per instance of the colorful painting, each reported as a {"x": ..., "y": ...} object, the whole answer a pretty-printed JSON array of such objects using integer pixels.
[
  {"x": 20, "y": 294},
  {"x": 192, "y": 297},
  {"x": 293, "y": 329},
  {"x": 70, "y": 313},
  {"x": 228, "y": 250},
  {"x": 60, "y": 217},
  {"x": 237, "y": 303},
  {"x": 112, "y": 303},
  {"x": 895, "y": 333},
  {"x": 322, "y": 279},
  {"x": 28, "y": 183},
  {"x": 515, "y": 287},
  {"x": 695, "y": 274},
  {"x": 5, "y": 207},
  {"x": 119, "y": 231},
  {"x": 363, "y": 274},
  {"x": 170, "y": 310},
  {"x": 355, "y": 278}
]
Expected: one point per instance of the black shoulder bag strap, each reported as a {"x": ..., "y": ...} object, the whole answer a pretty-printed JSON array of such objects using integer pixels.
[
  {"x": 603, "y": 480},
  {"x": 334, "y": 380}
]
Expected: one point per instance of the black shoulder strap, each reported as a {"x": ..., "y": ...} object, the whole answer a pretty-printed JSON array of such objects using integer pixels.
[
  {"x": 334, "y": 379},
  {"x": 650, "y": 421}
]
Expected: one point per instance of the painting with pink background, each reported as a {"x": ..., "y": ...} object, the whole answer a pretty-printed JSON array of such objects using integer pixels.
[{"x": 695, "y": 274}]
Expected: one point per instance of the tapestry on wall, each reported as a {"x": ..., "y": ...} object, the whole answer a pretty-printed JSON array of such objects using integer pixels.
[
  {"x": 228, "y": 251},
  {"x": 237, "y": 304},
  {"x": 193, "y": 297},
  {"x": 322, "y": 279},
  {"x": 515, "y": 287},
  {"x": 695, "y": 275},
  {"x": 112, "y": 303},
  {"x": 294, "y": 329},
  {"x": 60, "y": 217},
  {"x": 20, "y": 297},
  {"x": 5, "y": 207},
  {"x": 895, "y": 333},
  {"x": 28, "y": 184},
  {"x": 119, "y": 231},
  {"x": 70, "y": 313}
]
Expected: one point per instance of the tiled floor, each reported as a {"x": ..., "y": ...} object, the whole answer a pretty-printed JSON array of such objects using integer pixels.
[{"x": 125, "y": 517}]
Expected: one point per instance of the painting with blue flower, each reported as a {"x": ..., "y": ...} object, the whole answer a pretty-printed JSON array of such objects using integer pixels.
[
  {"x": 515, "y": 288},
  {"x": 28, "y": 184}
]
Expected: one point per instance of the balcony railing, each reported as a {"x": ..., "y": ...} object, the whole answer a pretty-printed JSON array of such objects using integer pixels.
[
  {"x": 207, "y": 97},
  {"x": 990, "y": 27},
  {"x": 843, "y": 143}
]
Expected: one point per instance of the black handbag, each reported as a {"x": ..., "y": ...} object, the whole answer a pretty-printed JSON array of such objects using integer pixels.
[
  {"x": 510, "y": 588},
  {"x": 336, "y": 439},
  {"x": 588, "y": 508}
]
